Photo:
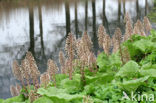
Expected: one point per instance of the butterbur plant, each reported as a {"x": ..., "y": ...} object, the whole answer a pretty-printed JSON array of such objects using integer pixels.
[
  {"x": 82, "y": 51},
  {"x": 27, "y": 73},
  {"x": 82, "y": 72},
  {"x": 92, "y": 62},
  {"x": 44, "y": 79},
  {"x": 70, "y": 50},
  {"x": 18, "y": 87},
  {"x": 33, "y": 96},
  {"x": 117, "y": 42},
  {"x": 129, "y": 27},
  {"x": 126, "y": 55},
  {"x": 67, "y": 66},
  {"x": 86, "y": 99},
  {"x": 87, "y": 78},
  {"x": 147, "y": 25},
  {"x": 15, "y": 90},
  {"x": 101, "y": 35},
  {"x": 140, "y": 28},
  {"x": 87, "y": 43},
  {"x": 33, "y": 69},
  {"x": 106, "y": 44},
  {"x": 52, "y": 69},
  {"x": 17, "y": 71},
  {"x": 62, "y": 62}
]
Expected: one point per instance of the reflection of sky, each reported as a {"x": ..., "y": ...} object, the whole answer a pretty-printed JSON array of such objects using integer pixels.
[
  {"x": 14, "y": 31},
  {"x": 16, "y": 28}
]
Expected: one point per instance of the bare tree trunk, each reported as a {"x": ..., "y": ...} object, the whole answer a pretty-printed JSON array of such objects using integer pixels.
[
  {"x": 86, "y": 15},
  {"x": 41, "y": 29},
  {"x": 137, "y": 8},
  {"x": 67, "y": 10},
  {"x": 94, "y": 16},
  {"x": 104, "y": 19},
  {"x": 31, "y": 29},
  {"x": 95, "y": 40},
  {"x": 146, "y": 7},
  {"x": 124, "y": 7},
  {"x": 76, "y": 20},
  {"x": 119, "y": 10}
]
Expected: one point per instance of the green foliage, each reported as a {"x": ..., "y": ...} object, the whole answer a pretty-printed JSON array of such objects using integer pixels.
[
  {"x": 1, "y": 100},
  {"x": 139, "y": 47},
  {"x": 152, "y": 14},
  {"x": 58, "y": 95},
  {"x": 17, "y": 99},
  {"x": 112, "y": 78},
  {"x": 108, "y": 63},
  {"x": 150, "y": 73},
  {"x": 129, "y": 70},
  {"x": 132, "y": 85},
  {"x": 71, "y": 86},
  {"x": 103, "y": 62},
  {"x": 43, "y": 99}
]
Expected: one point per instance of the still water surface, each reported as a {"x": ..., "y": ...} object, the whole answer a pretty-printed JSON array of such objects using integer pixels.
[{"x": 42, "y": 26}]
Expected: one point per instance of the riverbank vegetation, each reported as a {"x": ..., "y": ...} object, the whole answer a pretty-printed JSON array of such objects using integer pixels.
[{"x": 127, "y": 64}]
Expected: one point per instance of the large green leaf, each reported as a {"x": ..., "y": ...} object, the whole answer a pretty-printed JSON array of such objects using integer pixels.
[
  {"x": 148, "y": 66},
  {"x": 59, "y": 94},
  {"x": 115, "y": 61},
  {"x": 43, "y": 99},
  {"x": 153, "y": 33},
  {"x": 144, "y": 45},
  {"x": 134, "y": 52},
  {"x": 132, "y": 85},
  {"x": 14, "y": 99},
  {"x": 71, "y": 86},
  {"x": 108, "y": 92},
  {"x": 59, "y": 78},
  {"x": 150, "y": 73},
  {"x": 1, "y": 100},
  {"x": 100, "y": 78},
  {"x": 150, "y": 58},
  {"x": 130, "y": 69},
  {"x": 103, "y": 62}
]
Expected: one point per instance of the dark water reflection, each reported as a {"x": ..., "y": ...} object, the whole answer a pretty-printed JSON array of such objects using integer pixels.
[{"x": 42, "y": 26}]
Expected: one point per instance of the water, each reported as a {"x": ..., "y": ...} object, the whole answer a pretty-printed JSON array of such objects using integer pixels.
[{"x": 42, "y": 26}]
